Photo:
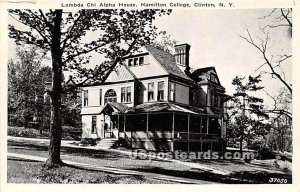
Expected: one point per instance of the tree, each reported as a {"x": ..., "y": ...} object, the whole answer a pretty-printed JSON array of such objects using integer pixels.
[
  {"x": 280, "y": 112},
  {"x": 165, "y": 42},
  {"x": 281, "y": 120},
  {"x": 246, "y": 110},
  {"x": 65, "y": 35},
  {"x": 281, "y": 18},
  {"x": 24, "y": 82}
]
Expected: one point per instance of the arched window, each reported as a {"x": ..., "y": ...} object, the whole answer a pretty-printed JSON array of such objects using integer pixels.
[{"x": 110, "y": 96}]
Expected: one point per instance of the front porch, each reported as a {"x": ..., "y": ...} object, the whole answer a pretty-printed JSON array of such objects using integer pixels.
[
  {"x": 168, "y": 127},
  {"x": 160, "y": 126}
]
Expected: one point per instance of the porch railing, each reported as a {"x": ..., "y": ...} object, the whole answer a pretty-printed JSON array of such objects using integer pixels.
[{"x": 193, "y": 135}]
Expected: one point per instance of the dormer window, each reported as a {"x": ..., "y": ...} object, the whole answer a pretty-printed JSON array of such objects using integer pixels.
[
  {"x": 130, "y": 62},
  {"x": 136, "y": 61},
  {"x": 141, "y": 60}
]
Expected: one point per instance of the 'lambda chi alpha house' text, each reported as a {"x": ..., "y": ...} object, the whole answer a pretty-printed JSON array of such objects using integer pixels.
[{"x": 156, "y": 101}]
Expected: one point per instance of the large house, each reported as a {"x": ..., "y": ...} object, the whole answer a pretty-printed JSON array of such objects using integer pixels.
[{"x": 155, "y": 101}]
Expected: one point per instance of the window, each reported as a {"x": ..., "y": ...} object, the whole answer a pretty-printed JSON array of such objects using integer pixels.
[
  {"x": 160, "y": 93},
  {"x": 136, "y": 61},
  {"x": 123, "y": 94},
  {"x": 172, "y": 91},
  {"x": 141, "y": 60},
  {"x": 130, "y": 62},
  {"x": 213, "y": 78},
  {"x": 150, "y": 91},
  {"x": 100, "y": 97},
  {"x": 85, "y": 98},
  {"x": 110, "y": 96},
  {"x": 126, "y": 94},
  {"x": 94, "y": 124},
  {"x": 214, "y": 100}
]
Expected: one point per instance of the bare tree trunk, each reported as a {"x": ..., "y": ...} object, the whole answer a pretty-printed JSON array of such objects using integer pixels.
[{"x": 56, "y": 120}]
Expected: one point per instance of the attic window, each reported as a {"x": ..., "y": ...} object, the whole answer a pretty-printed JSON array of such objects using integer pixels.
[
  {"x": 141, "y": 60},
  {"x": 136, "y": 61},
  {"x": 130, "y": 62},
  {"x": 213, "y": 78}
]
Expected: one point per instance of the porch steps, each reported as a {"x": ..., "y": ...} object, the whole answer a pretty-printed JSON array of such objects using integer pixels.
[{"x": 107, "y": 143}]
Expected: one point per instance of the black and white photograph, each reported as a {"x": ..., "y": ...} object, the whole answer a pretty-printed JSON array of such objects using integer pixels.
[{"x": 149, "y": 93}]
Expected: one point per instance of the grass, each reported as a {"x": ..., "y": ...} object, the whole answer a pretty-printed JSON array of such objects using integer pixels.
[
  {"x": 240, "y": 172},
  {"x": 21, "y": 171}
]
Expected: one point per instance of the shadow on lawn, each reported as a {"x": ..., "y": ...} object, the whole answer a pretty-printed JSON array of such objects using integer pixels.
[
  {"x": 98, "y": 154},
  {"x": 246, "y": 177},
  {"x": 22, "y": 160}
]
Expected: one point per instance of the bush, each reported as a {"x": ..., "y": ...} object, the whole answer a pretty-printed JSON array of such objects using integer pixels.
[
  {"x": 89, "y": 141},
  {"x": 67, "y": 134},
  {"x": 266, "y": 153},
  {"x": 23, "y": 132}
]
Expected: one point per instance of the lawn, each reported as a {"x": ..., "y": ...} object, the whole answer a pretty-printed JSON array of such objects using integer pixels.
[
  {"x": 24, "y": 171},
  {"x": 240, "y": 172}
]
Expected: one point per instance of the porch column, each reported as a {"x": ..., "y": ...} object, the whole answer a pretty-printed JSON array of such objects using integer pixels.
[
  {"x": 124, "y": 124},
  {"x": 173, "y": 131},
  {"x": 200, "y": 125},
  {"x": 111, "y": 125},
  {"x": 173, "y": 125},
  {"x": 207, "y": 122},
  {"x": 118, "y": 124},
  {"x": 147, "y": 126},
  {"x": 103, "y": 125},
  {"x": 189, "y": 116}
]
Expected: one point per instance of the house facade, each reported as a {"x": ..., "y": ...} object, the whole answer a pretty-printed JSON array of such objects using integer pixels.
[{"x": 155, "y": 101}]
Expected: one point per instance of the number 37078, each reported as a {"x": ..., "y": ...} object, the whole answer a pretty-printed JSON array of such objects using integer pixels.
[{"x": 277, "y": 180}]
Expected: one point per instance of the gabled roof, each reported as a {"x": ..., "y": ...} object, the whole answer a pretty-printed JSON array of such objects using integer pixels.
[
  {"x": 196, "y": 73},
  {"x": 113, "y": 107},
  {"x": 167, "y": 61},
  {"x": 120, "y": 73},
  {"x": 201, "y": 71}
]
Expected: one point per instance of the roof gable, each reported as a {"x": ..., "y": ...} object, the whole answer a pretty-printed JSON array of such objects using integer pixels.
[
  {"x": 119, "y": 74},
  {"x": 204, "y": 75}
]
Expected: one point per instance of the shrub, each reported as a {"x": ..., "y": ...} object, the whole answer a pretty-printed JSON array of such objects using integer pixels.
[{"x": 68, "y": 133}]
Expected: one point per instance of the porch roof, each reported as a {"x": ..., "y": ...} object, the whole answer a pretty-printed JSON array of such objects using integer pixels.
[
  {"x": 114, "y": 107},
  {"x": 163, "y": 107}
]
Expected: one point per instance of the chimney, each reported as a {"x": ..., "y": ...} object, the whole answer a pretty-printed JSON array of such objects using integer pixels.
[{"x": 182, "y": 55}]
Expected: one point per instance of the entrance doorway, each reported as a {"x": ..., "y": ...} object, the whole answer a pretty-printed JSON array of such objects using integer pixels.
[{"x": 111, "y": 126}]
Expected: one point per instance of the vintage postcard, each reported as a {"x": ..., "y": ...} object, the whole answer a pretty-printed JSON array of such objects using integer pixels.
[{"x": 192, "y": 93}]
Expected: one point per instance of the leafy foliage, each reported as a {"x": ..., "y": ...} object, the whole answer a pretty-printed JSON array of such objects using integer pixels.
[
  {"x": 26, "y": 80},
  {"x": 247, "y": 110},
  {"x": 72, "y": 37}
]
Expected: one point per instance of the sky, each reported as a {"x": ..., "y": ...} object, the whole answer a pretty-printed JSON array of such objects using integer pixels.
[{"x": 214, "y": 36}]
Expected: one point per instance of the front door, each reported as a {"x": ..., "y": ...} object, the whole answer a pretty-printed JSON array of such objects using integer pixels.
[{"x": 110, "y": 127}]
